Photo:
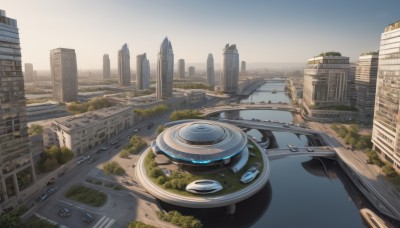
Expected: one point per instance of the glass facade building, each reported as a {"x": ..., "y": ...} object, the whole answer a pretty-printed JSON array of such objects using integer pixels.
[
  {"x": 386, "y": 126},
  {"x": 16, "y": 165}
]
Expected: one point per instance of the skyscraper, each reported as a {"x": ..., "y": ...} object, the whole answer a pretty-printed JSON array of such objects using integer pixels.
[
  {"x": 165, "y": 70},
  {"x": 181, "y": 68},
  {"x": 366, "y": 73},
  {"x": 28, "y": 72},
  {"x": 243, "y": 67},
  {"x": 106, "y": 67},
  {"x": 385, "y": 133},
  {"x": 192, "y": 71},
  {"x": 16, "y": 165},
  {"x": 230, "y": 69},
  {"x": 124, "y": 68},
  {"x": 210, "y": 70},
  {"x": 326, "y": 80},
  {"x": 64, "y": 74},
  {"x": 142, "y": 72}
]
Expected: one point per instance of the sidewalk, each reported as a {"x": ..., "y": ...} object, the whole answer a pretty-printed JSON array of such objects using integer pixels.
[{"x": 370, "y": 173}]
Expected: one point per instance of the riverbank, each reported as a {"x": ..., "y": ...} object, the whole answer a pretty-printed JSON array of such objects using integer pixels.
[{"x": 368, "y": 178}]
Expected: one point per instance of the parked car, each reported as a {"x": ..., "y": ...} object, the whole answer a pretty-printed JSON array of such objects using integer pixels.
[
  {"x": 249, "y": 175},
  {"x": 51, "y": 181},
  {"x": 86, "y": 217},
  {"x": 52, "y": 190},
  {"x": 43, "y": 196},
  {"x": 64, "y": 212},
  {"x": 204, "y": 187}
]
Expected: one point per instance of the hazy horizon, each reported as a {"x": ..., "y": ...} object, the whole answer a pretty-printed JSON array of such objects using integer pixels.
[{"x": 264, "y": 32}]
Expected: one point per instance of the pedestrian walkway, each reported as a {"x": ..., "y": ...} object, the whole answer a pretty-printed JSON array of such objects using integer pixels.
[
  {"x": 372, "y": 175},
  {"x": 94, "y": 172},
  {"x": 104, "y": 222}
]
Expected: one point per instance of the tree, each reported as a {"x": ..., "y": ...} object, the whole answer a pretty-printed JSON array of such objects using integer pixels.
[
  {"x": 113, "y": 168},
  {"x": 160, "y": 129},
  {"x": 185, "y": 114},
  {"x": 35, "y": 129},
  {"x": 10, "y": 220}
]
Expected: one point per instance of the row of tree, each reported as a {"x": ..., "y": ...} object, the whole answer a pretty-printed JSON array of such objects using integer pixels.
[
  {"x": 53, "y": 157},
  {"x": 193, "y": 86},
  {"x": 178, "y": 219},
  {"x": 94, "y": 104},
  {"x": 185, "y": 114},
  {"x": 352, "y": 137},
  {"x": 151, "y": 112}
]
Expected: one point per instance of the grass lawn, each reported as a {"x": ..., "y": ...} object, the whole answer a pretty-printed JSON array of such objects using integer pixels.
[
  {"x": 86, "y": 195},
  {"x": 34, "y": 221},
  {"x": 230, "y": 182}
]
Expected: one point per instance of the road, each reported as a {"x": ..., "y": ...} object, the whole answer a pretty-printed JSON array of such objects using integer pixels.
[
  {"x": 122, "y": 206},
  {"x": 387, "y": 197}
]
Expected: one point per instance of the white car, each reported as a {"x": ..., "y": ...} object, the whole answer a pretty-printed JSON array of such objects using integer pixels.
[
  {"x": 204, "y": 187},
  {"x": 249, "y": 175}
]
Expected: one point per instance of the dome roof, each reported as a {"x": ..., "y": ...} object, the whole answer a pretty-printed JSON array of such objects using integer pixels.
[{"x": 201, "y": 133}]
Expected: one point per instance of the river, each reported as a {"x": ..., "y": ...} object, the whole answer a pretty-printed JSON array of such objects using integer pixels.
[{"x": 301, "y": 192}]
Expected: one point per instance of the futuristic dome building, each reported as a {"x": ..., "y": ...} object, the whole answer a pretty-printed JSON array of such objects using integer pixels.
[
  {"x": 220, "y": 149},
  {"x": 202, "y": 143}
]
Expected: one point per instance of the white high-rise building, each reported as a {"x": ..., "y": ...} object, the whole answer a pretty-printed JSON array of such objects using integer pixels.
[
  {"x": 181, "y": 68},
  {"x": 326, "y": 80},
  {"x": 106, "y": 67},
  {"x": 124, "y": 67},
  {"x": 142, "y": 72},
  {"x": 165, "y": 70},
  {"x": 230, "y": 69},
  {"x": 210, "y": 70},
  {"x": 64, "y": 74},
  {"x": 386, "y": 127},
  {"x": 29, "y": 72},
  {"x": 365, "y": 81},
  {"x": 16, "y": 165}
]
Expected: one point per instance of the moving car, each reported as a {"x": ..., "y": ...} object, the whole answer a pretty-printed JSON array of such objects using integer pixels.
[
  {"x": 310, "y": 150},
  {"x": 204, "y": 186},
  {"x": 249, "y": 175},
  {"x": 87, "y": 218},
  {"x": 64, "y": 212}
]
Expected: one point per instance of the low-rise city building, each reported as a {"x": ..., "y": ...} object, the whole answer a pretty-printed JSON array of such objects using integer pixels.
[{"x": 83, "y": 132}]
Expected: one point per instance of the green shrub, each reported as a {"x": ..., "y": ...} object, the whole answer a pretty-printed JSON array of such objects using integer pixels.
[
  {"x": 86, "y": 195},
  {"x": 156, "y": 172},
  {"x": 178, "y": 219},
  {"x": 167, "y": 185},
  {"x": 388, "y": 170},
  {"x": 161, "y": 180},
  {"x": 109, "y": 185},
  {"x": 117, "y": 187},
  {"x": 185, "y": 114},
  {"x": 138, "y": 224},
  {"x": 113, "y": 168},
  {"x": 124, "y": 154}
]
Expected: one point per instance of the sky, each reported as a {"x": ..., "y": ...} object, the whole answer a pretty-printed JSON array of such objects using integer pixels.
[{"x": 275, "y": 31}]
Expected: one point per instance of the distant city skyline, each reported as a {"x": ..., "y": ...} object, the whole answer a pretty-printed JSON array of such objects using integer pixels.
[{"x": 273, "y": 31}]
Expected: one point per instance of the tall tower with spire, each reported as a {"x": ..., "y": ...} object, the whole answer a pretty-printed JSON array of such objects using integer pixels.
[{"x": 165, "y": 70}]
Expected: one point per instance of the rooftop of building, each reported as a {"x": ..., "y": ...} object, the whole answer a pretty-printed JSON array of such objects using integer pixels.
[
  {"x": 90, "y": 118},
  {"x": 393, "y": 26},
  {"x": 330, "y": 54},
  {"x": 370, "y": 53}
]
